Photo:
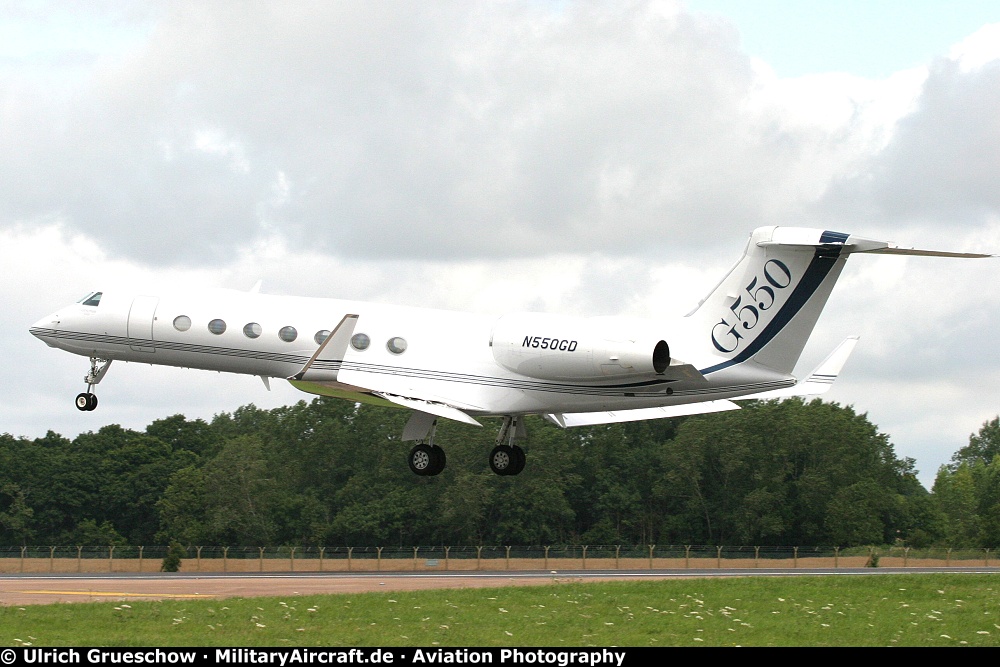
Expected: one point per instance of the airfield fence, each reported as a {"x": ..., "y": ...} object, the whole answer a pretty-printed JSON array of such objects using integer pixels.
[{"x": 94, "y": 559}]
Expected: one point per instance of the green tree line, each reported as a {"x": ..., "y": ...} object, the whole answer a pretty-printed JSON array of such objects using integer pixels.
[{"x": 329, "y": 472}]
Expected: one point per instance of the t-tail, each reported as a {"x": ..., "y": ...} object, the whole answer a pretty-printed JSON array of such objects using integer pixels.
[{"x": 766, "y": 307}]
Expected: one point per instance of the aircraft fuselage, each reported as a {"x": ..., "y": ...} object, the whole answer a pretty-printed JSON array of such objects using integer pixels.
[{"x": 449, "y": 356}]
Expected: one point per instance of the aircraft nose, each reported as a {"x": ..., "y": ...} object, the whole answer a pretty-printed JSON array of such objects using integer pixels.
[{"x": 42, "y": 327}]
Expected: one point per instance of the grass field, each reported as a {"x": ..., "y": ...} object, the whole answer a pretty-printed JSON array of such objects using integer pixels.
[{"x": 883, "y": 610}]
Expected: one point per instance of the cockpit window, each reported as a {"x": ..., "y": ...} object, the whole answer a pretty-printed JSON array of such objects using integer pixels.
[{"x": 92, "y": 299}]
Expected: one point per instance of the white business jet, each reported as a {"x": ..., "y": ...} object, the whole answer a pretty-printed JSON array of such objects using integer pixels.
[{"x": 742, "y": 341}]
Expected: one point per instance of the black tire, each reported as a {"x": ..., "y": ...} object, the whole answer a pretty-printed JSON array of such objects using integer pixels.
[
  {"x": 519, "y": 461},
  {"x": 422, "y": 460},
  {"x": 93, "y": 402},
  {"x": 83, "y": 402},
  {"x": 502, "y": 460},
  {"x": 440, "y": 460}
]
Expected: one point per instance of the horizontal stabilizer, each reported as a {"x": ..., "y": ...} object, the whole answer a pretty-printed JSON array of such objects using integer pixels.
[
  {"x": 567, "y": 420},
  {"x": 820, "y": 380},
  {"x": 892, "y": 250},
  {"x": 815, "y": 238}
]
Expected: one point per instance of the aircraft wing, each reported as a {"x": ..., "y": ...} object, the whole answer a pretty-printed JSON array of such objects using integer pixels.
[
  {"x": 324, "y": 370},
  {"x": 820, "y": 380},
  {"x": 566, "y": 420}
]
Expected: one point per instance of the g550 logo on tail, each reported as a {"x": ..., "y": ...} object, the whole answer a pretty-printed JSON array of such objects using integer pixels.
[{"x": 762, "y": 291}]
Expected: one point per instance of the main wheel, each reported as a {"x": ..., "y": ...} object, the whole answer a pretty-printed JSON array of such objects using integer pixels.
[
  {"x": 502, "y": 460},
  {"x": 440, "y": 460},
  {"x": 422, "y": 460},
  {"x": 519, "y": 461}
]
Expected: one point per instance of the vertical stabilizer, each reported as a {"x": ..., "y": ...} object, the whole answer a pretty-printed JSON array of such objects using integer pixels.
[{"x": 766, "y": 307}]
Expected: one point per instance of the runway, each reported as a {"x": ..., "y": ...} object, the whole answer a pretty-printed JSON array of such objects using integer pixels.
[{"x": 20, "y": 590}]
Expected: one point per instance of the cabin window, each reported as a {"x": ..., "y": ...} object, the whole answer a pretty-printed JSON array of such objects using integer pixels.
[
  {"x": 288, "y": 334},
  {"x": 360, "y": 341},
  {"x": 92, "y": 299},
  {"x": 396, "y": 345},
  {"x": 321, "y": 336},
  {"x": 182, "y": 322},
  {"x": 252, "y": 330},
  {"x": 217, "y": 327}
]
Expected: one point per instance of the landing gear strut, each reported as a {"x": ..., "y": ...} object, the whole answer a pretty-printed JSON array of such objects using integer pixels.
[
  {"x": 507, "y": 458},
  {"x": 87, "y": 401}
]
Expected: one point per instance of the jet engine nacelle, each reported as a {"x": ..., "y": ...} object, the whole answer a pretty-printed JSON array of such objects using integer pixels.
[{"x": 551, "y": 347}]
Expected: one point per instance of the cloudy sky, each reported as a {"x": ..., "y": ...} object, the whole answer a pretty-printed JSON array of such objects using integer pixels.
[{"x": 578, "y": 157}]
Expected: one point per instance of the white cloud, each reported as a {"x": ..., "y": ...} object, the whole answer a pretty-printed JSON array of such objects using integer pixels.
[{"x": 978, "y": 49}]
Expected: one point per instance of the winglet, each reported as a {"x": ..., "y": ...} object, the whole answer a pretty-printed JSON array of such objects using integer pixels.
[
  {"x": 325, "y": 362},
  {"x": 820, "y": 380}
]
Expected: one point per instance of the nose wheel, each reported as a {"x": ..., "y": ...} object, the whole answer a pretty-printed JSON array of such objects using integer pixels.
[{"x": 86, "y": 402}]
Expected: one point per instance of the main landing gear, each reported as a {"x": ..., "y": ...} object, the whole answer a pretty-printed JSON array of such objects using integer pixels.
[
  {"x": 427, "y": 459},
  {"x": 87, "y": 401},
  {"x": 507, "y": 458}
]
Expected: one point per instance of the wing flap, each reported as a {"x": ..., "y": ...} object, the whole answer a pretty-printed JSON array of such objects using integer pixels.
[
  {"x": 429, "y": 407},
  {"x": 396, "y": 389}
]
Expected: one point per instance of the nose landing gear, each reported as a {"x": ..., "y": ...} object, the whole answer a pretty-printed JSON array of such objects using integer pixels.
[{"x": 87, "y": 401}]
